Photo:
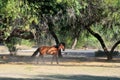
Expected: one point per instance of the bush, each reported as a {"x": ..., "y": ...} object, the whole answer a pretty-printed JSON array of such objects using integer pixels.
[
  {"x": 101, "y": 53},
  {"x": 27, "y": 42}
]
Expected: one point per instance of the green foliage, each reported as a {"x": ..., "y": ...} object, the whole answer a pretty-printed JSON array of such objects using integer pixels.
[
  {"x": 114, "y": 3},
  {"x": 67, "y": 17},
  {"x": 87, "y": 40},
  {"x": 10, "y": 8},
  {"x": 27, "y": 42},
  {"x": 11, "y": 44},
  {"x": 13, "y": 14}
]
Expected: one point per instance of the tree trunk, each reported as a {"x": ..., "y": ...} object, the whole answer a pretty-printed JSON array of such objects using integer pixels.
[
  {"x": 54, "y": 36},
  {"x": 108, "y": 54},
  {"x": 22, "y": 34},
  {"x": 114, "y": 46},
  {"x": 74, "y": 43},
  {"x": 56, "y": 40}
]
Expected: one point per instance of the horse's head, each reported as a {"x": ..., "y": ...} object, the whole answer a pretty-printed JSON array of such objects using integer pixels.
[{"x": 61, "y": 46}]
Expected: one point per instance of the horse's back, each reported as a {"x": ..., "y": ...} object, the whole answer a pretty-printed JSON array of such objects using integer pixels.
[
  {"x": 44, "y": 49},
  {"x": 49, "y": 50},
  {"x": 52, "y": 50}
]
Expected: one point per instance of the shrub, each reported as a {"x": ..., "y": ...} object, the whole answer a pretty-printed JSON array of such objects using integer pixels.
[{"x": 101, "y": 53}]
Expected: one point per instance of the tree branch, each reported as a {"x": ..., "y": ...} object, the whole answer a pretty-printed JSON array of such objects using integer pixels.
[
  {"x": 114, "y": 46},
  {"x": 96, "y": 35}
]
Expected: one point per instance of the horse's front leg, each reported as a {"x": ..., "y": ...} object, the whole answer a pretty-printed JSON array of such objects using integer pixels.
[
  {"x": 40, "y": 57},
  {"x": 56, "y": 56}
]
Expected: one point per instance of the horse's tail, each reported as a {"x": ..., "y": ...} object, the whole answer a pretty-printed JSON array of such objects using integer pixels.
[{"x": 35, "y": 53}]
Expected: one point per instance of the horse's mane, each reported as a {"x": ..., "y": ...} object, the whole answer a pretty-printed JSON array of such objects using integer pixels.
[{"x": 56, "y": 46}]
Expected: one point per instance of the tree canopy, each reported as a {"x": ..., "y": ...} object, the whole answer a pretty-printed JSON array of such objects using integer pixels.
[{"x": 71, "y": 21}]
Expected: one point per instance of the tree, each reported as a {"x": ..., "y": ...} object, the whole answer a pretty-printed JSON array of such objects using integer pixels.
[
  {"x": 13, "y": 23},
  {"x": 70, "y": 18},
  {"x": 96, "y": 14},
  {"x": 50, "y": 15}
]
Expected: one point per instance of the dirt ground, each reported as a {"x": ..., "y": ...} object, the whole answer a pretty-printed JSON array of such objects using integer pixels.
[{"x": 69, "y": 68}]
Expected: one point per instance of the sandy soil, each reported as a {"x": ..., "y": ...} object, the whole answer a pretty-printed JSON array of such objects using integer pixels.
[{"x": 70, "y": 68}]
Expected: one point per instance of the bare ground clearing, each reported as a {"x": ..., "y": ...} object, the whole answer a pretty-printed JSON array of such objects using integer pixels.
[{"x": 70, "y": 68}]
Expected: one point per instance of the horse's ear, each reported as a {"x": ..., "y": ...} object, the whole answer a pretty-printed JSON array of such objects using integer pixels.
[{"x": 62, "y": 43}]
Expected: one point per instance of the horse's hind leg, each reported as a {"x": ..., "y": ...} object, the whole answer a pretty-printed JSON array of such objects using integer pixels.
[
  {"x": 42, "y": 57},
  {"x": 38, "y": 59},
  {"x": 52, "y": 59}
]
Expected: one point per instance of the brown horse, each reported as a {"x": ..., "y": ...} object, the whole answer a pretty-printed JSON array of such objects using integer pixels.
[{"x": 51, "y": 50}]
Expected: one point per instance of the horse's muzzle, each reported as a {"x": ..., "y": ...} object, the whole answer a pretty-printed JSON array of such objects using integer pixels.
[{"x": 63, "y": 49}]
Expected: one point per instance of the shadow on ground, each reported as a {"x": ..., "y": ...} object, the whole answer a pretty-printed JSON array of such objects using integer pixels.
[
  {"x": 4, "y": 59},
  {"x": 64, "y": 77}
]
